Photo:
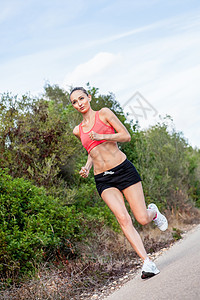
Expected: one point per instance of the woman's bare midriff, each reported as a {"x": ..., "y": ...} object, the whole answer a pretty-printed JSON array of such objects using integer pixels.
[{"x": 106, "y": 156}]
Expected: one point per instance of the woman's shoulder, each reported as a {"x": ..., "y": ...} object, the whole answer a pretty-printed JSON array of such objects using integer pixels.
[
  {"x": 76, "y": 131},
  {"x": 105, "y": 111},
  {"x": 106, "y": 115}
]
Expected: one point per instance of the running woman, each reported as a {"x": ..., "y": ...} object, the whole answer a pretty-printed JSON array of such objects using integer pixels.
[{"x": 114, "y": 174}]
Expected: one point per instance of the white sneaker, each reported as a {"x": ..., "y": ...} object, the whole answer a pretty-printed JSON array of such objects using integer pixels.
[
  {"x": 160, "y": 220},
  {"x": 149, "y": 269}
]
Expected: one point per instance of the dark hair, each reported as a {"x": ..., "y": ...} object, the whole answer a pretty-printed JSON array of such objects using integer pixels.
[{"x": 79, "y": 89}]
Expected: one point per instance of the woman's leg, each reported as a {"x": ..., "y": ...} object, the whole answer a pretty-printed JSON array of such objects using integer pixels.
[
  {"x": 115, "y": 201},
  {"x": 135, "y": 196}
]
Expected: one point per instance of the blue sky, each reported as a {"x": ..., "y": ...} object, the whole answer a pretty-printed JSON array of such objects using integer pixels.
[{"x": 119, "y": 46}]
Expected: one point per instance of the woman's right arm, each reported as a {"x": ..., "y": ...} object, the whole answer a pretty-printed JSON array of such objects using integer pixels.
[{"x": 84, "y": 172}]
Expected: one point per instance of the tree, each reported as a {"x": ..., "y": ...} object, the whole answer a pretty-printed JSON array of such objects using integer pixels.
[{"x": 36, "y": 138}]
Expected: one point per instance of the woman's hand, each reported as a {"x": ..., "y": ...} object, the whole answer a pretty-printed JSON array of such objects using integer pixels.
[
  {"x": 84, "y": 172},
  {"x": 95, "y": 136}
]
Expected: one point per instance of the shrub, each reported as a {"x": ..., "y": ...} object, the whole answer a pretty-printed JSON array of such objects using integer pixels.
[{"x": 33, "y": 226}]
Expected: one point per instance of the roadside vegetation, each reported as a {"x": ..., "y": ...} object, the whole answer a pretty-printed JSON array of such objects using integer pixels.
[{"x": 54, "y": 227}]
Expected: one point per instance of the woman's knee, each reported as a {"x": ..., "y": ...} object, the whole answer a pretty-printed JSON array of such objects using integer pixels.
[
  {"x": 143, "y": 219},
  {"x": 124, "y": 219}
]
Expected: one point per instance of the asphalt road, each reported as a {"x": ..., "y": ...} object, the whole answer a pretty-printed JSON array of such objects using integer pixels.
[{"x": 179, "y": 276}]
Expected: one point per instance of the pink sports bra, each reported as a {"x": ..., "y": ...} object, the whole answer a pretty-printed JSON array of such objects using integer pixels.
[{"x": 98, "y": 127}]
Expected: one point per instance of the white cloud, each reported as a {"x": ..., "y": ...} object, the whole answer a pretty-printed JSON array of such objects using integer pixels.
[
  {"x": 123, "y": 35},
  {"x": 184, "y": 22},
  {"x": 94, "y": 67}
]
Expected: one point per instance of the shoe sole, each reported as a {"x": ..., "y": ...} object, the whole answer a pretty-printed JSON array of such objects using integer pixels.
[{"x": 146, "y": 275}]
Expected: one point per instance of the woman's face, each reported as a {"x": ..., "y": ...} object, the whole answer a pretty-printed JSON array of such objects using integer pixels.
[{"x": 80, "y": 101}]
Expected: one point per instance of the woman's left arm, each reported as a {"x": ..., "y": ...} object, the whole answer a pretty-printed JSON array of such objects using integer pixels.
[{"x": 122, "y": 134}]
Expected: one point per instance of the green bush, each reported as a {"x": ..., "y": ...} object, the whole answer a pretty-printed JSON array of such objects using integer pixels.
[
  {"x": 36, "y": 139},
  {"x": 33, "y": 226},
  {"x": 96, "y": 212}
]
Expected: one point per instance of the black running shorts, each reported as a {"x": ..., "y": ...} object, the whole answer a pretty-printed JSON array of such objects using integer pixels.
[{"x": 120, "y": 177}]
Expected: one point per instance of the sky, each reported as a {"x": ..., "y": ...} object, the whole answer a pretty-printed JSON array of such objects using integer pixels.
[{"x": 147, "y": 53}]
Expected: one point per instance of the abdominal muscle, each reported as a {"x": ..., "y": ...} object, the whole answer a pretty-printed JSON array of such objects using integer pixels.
[{"x": 106, "y": 156}]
